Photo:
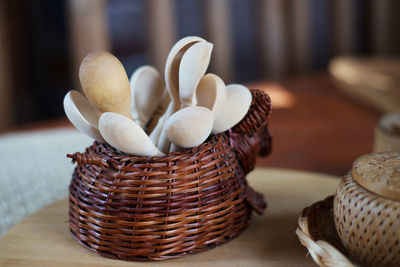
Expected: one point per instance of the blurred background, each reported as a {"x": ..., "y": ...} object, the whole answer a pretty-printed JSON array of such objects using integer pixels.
[{"x": 42, "y": 42}]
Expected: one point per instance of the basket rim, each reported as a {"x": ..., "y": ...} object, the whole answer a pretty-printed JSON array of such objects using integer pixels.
[
  {"x": 322, "y": 252},
  {"x": 188, "y": 151}
]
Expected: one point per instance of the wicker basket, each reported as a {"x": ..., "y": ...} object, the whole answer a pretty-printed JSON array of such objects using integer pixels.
[
  {"x": 367, "y": 210},
  {"x": 316, "y": 231},
  {"x": 156, "y": 208}
]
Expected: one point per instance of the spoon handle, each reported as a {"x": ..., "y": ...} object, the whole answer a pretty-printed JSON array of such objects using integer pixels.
[
  {"x": 175, "y": 148},
  {"x": 163, "y": 143},
  {"x": 159, "y": 112},
  {"x": 141, "y": 123},
  {"x": 155, "y": 134}
]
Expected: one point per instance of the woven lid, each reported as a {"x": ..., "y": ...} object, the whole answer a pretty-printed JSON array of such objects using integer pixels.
[{"x": 379, "y": 173}]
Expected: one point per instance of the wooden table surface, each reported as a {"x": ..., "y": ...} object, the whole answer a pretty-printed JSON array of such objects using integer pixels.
[
  {"x": 43, "y": 239},
  {"x": 320, "y": 130}
]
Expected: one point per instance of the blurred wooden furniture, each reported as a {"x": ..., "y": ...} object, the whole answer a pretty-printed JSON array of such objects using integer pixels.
[
  {"x": 90, "y": 31},
  {"x": 387, "y": 133},
  {"x": 43, "y": 43},
  {"x": 372, "y": 80},
  {"x": 322, "y": 131},
  {"x": 271, "y": 38},
  {"x": 219, "y": 30},
  {"x": 43, "y": 239},
  {"x": 88, "y": 25},
  {"x": 6, "y": 95},
  {"x": 162, "y": 31}
]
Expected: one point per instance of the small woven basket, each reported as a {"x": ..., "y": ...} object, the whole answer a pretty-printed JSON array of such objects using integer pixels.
[
  {"x": 316, "y": 231},
  {"x": 367, "y": 210},
  {"x": 156, "y": 208}
]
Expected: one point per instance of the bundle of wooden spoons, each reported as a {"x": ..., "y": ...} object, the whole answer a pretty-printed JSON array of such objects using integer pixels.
[{"x": 146, "y": 116}]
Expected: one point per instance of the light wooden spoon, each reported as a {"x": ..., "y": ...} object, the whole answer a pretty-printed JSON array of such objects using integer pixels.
[
  {"x": 189, "y": 126},
  {"x": 193, "y": 66},
  {"x": 82, "y": 114},
  {"x": 172, "y": 65},
  {"x": 105, "y": 83},
  {"x": 233, "y": 110},
  {"x": 147, "y": 87},
  {"x": 211, "y": 93},
  {"x": 126, "y": 135},
  {"x": 172, "y": 82}
]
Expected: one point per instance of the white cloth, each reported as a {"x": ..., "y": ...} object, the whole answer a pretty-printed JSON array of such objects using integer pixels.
[{"x": 34, "y": 171}]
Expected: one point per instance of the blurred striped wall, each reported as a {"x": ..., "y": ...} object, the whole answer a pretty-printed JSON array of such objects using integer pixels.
[
  {"x": 265, "y": 38},
  {"x": 42, "y": 42}
]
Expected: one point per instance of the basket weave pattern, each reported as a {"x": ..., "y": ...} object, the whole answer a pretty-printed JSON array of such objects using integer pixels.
[
  {"x": 367, "y": 224},
  {"x": 316, "y": 231},
  {"x": 156, "y": 208},
  {"x": 251, "y": 138},
  {"x": 246, "y": 148},
  {"x": 257, "y": 116}
]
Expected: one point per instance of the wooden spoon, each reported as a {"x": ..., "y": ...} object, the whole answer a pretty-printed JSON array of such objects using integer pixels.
[
  {"x": 193, "y": 66},
  {"x": 126, "y": 135},
  {"x": 173, "y": 62},
  {"x": 172, "y": 81},
  {"x": 147, "y": 87},
  {"x": 189, "y": 126},
  {"x": 82, "y": 114},
  {"x": 105, "y": 83},
  {"x": 233, "y": 110},
  {"x": 211, "y": 93}
]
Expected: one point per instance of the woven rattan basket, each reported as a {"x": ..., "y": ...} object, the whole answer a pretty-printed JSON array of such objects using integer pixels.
[
  {"x": 316, "y": 231},
  {"x": 360, "y": 225},
  {"x": 367, "y": 210},
  {"x": 156, "y": 208}
]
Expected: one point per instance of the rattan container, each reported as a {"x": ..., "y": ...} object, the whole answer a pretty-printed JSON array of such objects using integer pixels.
[
  {"x": 157, "y": 208},
  {"x": 367, "y": 210}
]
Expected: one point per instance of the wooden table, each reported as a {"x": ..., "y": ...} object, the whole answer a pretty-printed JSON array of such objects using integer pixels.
[
  {"x": 43, "y": 239},
  {"x": 322, "y": 130}
]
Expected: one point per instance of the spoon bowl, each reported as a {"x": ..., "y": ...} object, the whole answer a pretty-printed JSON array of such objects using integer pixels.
[
  {"x": 211, "y": 93},
  {"x": 82, "y": 114},
  {"x": 233, "y": 110},
  {"x": 173, "y": 62},
  {"x": 189, "y": 126},
  {"x": 105, "y": 83},
  {"x": 146, "y": 90},
  {"x": 192, "y": 68},
  {"x": 126, "y": 135}
]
